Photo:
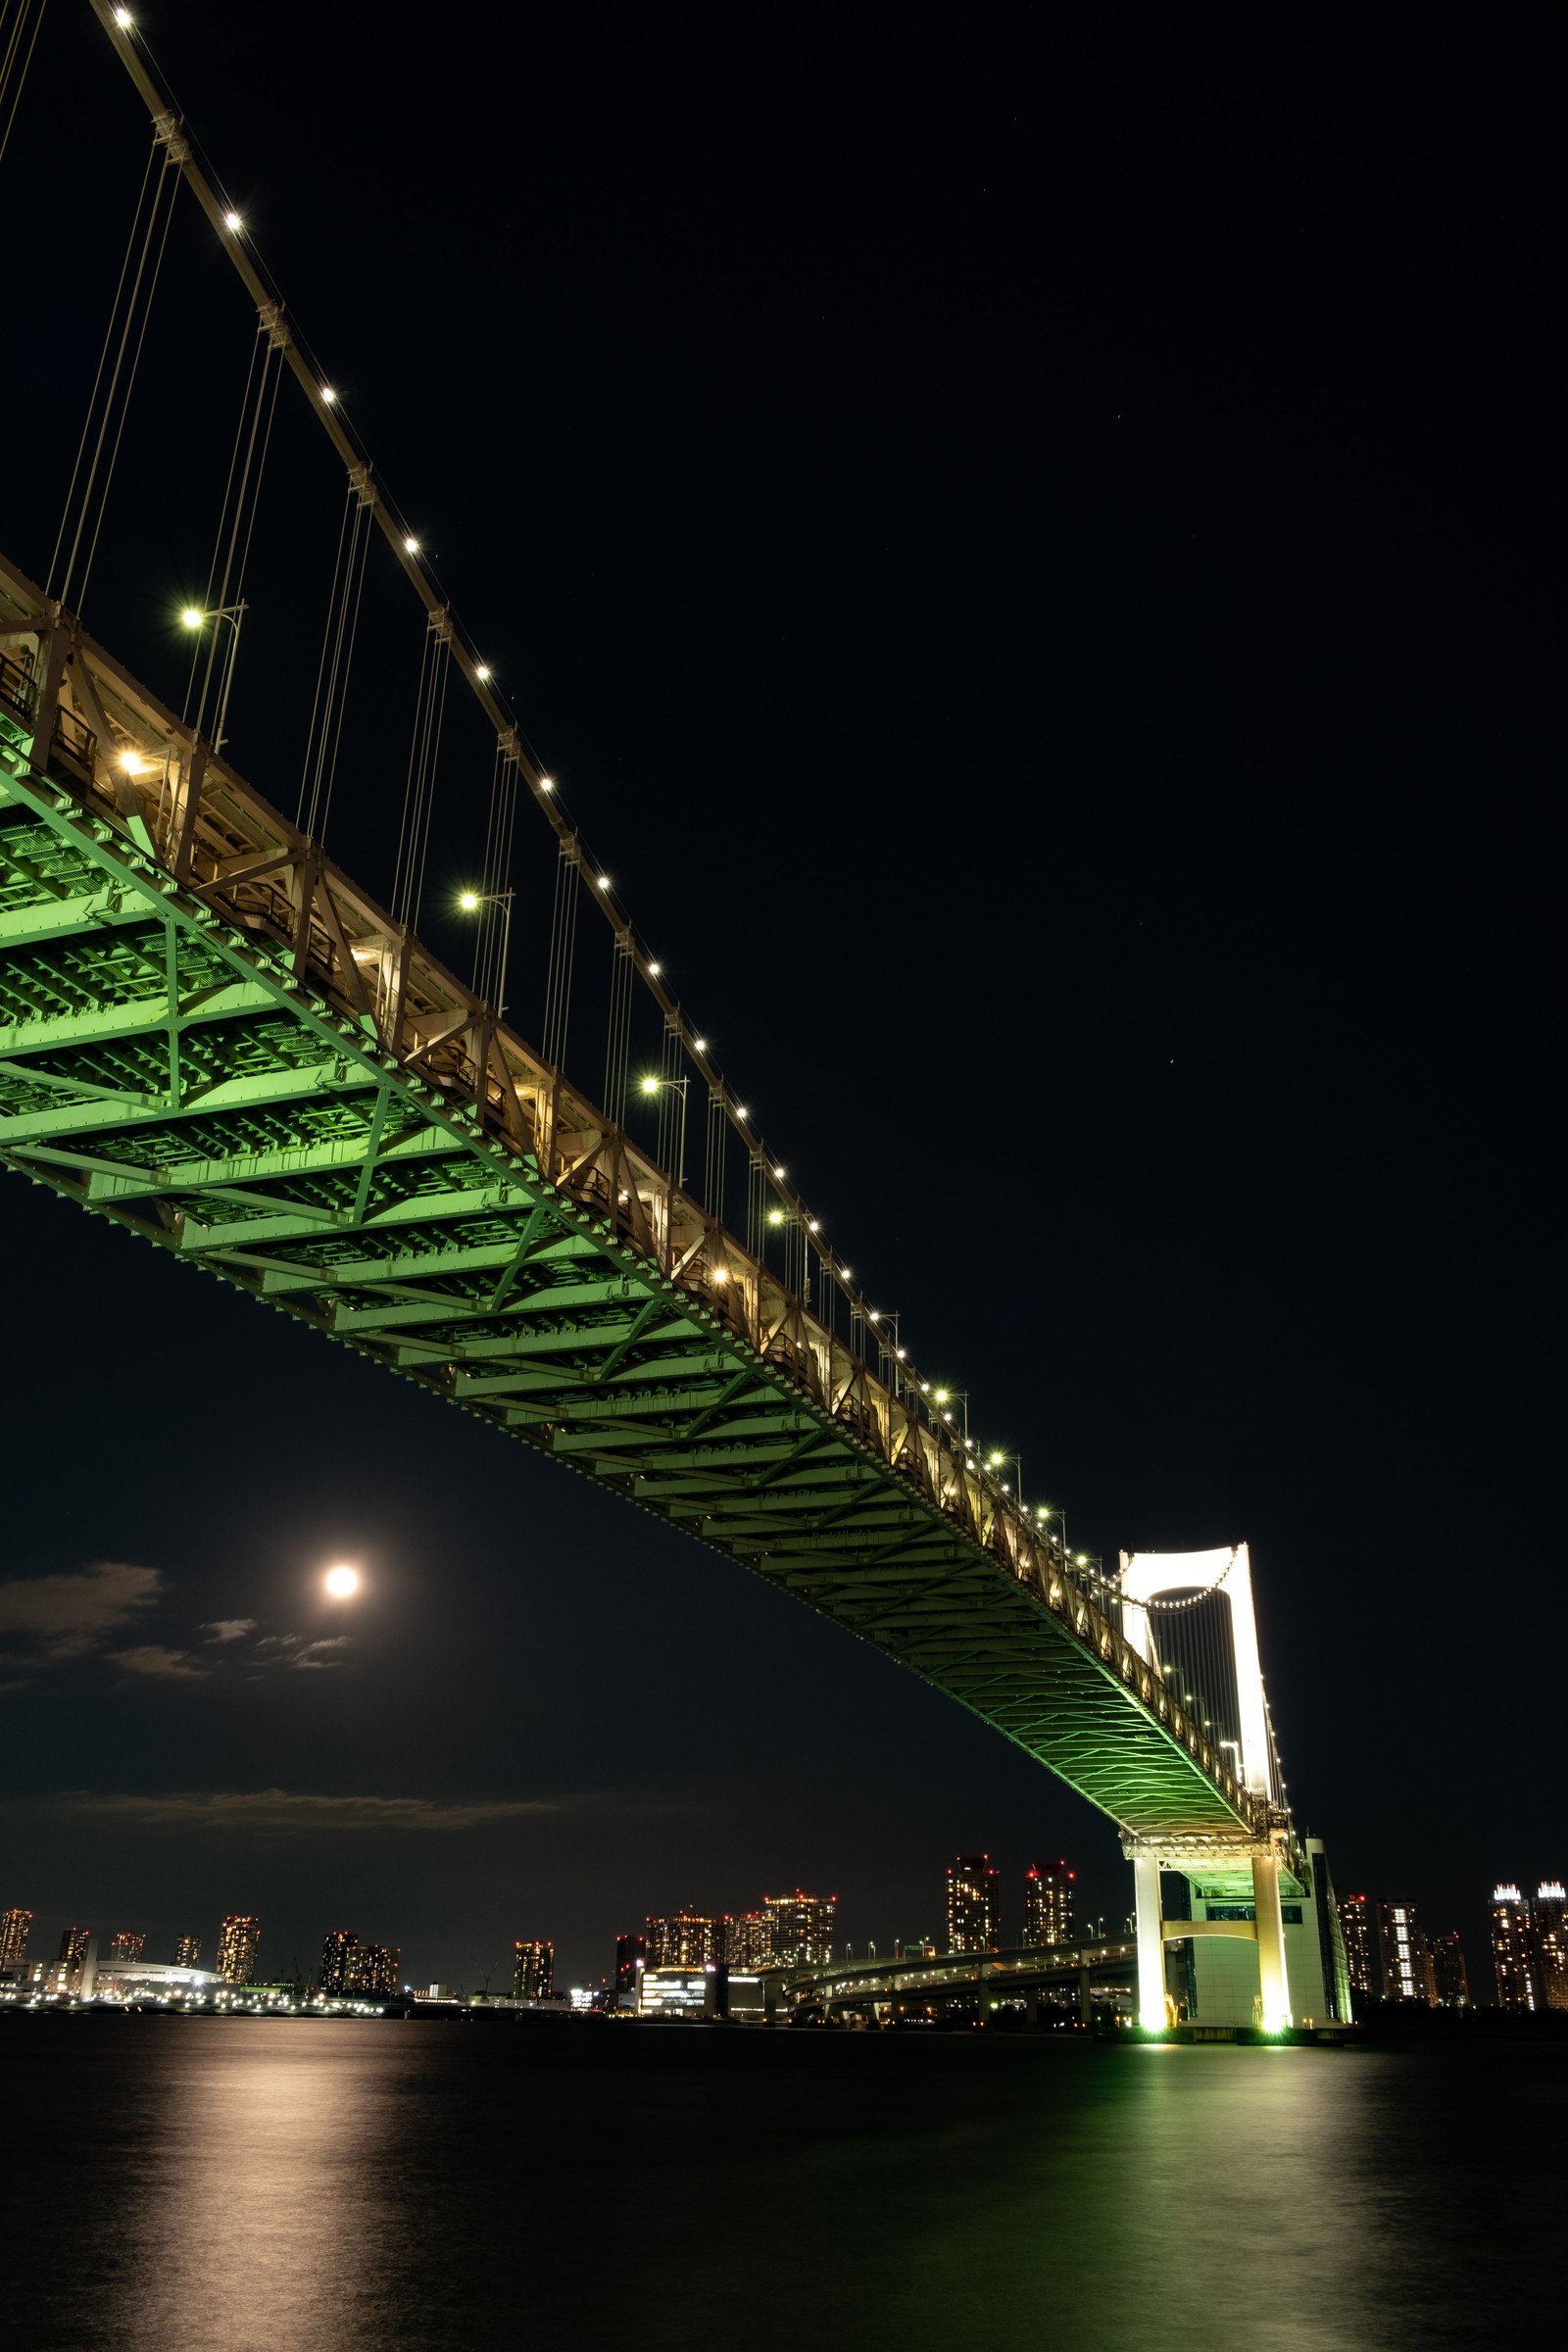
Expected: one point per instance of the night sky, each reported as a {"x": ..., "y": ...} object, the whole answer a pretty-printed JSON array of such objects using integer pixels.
[{"x": 1029, "y": 557}]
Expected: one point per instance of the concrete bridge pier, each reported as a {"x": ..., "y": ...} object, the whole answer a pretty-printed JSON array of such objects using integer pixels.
[
  {"x": 1273, "y": 1983},
  {"x": 1151, "y": 2011}
]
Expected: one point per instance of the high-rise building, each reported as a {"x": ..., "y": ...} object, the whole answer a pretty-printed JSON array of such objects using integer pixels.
[
  {"x": 800, "y": 1928},
  {"x": 1515, "y": 1953},
  {"x": 356, "y": 1971},
  {"x": 533, "y": 1971},
  {"x": 1407, "y": 1963},
  {"x": 188, "y": 1951},
  {"x": 1550, "y": 1911},
  {"x": 340, "y": 1962},
  {"x": 15, "y": 1929},
  {"x": 237, "y": 1939},
  {"x": 974, "y": 1904},
  {"x": 127, "y": 1944},
  {"x": 1355, "y": 1925},
  {"x": 76, "y": 1968},
  {"x": 631, "y": 1958},
  {"x": 749, "y": 1940},
  {"x": 1047, "y": 1890},
  {"x": 376, "y": 1977},
  {"x": 682, "y": 1939},
  {"x": 1450, "y": 1976}
]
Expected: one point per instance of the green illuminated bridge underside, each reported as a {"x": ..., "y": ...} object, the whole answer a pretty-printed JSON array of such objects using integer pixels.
[{"x": 210, "y": 1035}]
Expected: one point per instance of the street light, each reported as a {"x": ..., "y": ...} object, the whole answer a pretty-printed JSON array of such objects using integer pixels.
[
  {"x": 471, "y": 902},
  {"x": 194, "y": 618},
  {"x": 653, "y": 1086}
]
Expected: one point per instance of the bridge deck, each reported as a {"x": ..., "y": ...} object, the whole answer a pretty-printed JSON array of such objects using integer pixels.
[{"x": 209, "y": 1034}]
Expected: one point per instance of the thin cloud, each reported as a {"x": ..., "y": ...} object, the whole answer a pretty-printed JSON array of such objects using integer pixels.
[
  {"x": 297, "y": 1650},
  {"x": 65, "y": 1616},
  {"x": 227, "y": 1629},
  {"x": 286, "y": 1809},
  {"x": 152, "y": 1660}
]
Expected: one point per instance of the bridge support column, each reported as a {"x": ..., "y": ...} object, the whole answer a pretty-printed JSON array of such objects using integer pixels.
[
  {"x": 1272, "y": 1978},
  {"x": 1086, "y": 1996},
  {"x": 1152, "y": 1944}
]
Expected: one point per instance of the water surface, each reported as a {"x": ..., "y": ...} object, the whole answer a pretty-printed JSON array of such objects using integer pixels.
[{"x": 188, "y": 2184}]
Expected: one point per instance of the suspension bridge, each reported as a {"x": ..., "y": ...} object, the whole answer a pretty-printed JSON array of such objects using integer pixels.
[{"x": 214, "y": 1036}]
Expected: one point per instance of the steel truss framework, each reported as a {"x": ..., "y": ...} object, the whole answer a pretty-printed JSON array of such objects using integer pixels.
[{"x": 210, "y": 1035}]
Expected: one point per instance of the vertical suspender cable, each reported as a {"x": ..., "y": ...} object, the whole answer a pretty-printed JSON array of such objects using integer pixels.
[
  {"x": 617, "y": 1041},
  {"x": 563, "y": 955},
  {"x": 332, "y": 671},
  {"x": 115, "y": 395},
  {"x": 14, "y": 64}
]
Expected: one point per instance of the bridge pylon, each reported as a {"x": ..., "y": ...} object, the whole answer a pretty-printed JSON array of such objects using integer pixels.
[{"x": 1255, "y": 1941}]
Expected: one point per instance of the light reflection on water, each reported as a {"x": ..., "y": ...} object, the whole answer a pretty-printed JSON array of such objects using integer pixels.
[{"x": 187, "y": 2183}]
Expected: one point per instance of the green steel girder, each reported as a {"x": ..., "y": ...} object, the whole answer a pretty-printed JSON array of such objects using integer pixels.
[{"x": 394, "y": 1214}]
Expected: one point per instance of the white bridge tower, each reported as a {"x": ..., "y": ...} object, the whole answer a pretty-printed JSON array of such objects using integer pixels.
[{"x": 1233, "y": 1883}]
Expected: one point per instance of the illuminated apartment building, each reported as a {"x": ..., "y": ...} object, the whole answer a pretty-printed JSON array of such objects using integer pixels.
[
  {"x": 355, "y": 1971},
  {"x": 1405, "y": 1960},
  {"x": 631, "y": 1958},
  {"x": 340, "y": 1962},
  {"x": 15, "y": 1928},
  {"x": 748, "y": 1939},
  {"x": 1449, "y": 1977},
  {"x": 126, "y": 1946},
  {"x": 1515, "y": 1952},
  {"x": 188, "y": 1951},
  {"x": 974, "y": 1905},
  {"x": 76, "y": 1970},
  {"x": 800, "y": 1928},
  {"x": 376, "y": 1977},
  {"x": 1047, "y": 1890},
  {"x": 1551, "y": 1941},
  {"x": 533, "y": 1971},
  {"x": 237, "y": 1939},
  {"x": 682, "y": 1939},
  {"x": 1355, "y": 1925}
]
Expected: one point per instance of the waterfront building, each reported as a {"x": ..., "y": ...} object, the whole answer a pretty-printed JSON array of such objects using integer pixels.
[
  {"x": 340, "y": 1961},
  {"x": 1551, "y": 1938},
  {"x": 188, "y": 1951},
  {"x": 356, "y": 1971},
  {"x": 1355, "y": 1927},
  {"x": 1048, "y": 1891},
  {"x": 748, "y": 1939},
  {"x": 155, "y": 1979},
  {"x": 677, "y": 1992},
  {"x": 237, "y": 1941},
  {"x": 1515, "y": 1952},
  {"x": 631, "y": 1958},
  {"x": 1407, "y": 1963},
  {"x": 1450, "y": 1976},
  {"x": 15, "y": 1929},
  {"x": 533, "y": 1971},
  {"x": 74, "y": 1969},
  {"x": 681, "y": 1940},
  {"x": 974, "y": 1905},
  {"x": 800, "y": 1928},
  {"x": 376, "y": 1975},
  {"x": 127, "y": 1944}
]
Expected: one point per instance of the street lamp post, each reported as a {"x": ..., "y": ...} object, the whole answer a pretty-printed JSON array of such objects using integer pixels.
[
  {"x": 653, "y": 1086},
  {"x": 471, "y": 902},
  {"x": 193, "y": 618}
]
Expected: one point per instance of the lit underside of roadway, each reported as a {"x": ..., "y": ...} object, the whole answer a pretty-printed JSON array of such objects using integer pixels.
[{"x": 211, "y": 1036}]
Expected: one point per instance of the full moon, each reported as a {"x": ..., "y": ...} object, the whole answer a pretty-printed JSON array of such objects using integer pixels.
[{"x": 342, "y": 1583}]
